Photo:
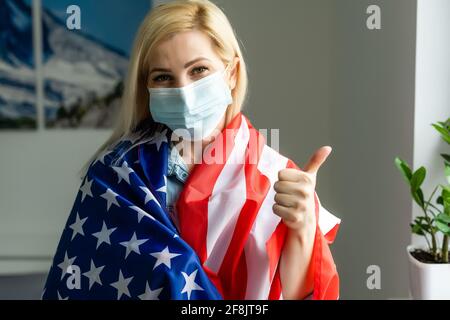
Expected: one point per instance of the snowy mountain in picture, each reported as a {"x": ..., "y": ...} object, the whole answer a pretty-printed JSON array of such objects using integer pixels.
[
  {"x": 82, "y": 76},
  {"x": 17, "y": 76}
]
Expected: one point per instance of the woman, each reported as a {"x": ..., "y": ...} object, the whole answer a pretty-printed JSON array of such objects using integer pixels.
[{"x": 185, "y": 200}]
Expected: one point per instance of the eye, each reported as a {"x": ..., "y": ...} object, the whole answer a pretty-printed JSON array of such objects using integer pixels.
[
  {"x": 161, "y": 78},
  {"x": 199, "y": 70}
]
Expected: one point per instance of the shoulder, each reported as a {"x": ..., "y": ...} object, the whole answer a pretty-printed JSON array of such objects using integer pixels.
[{"x": 124, "y": 151}]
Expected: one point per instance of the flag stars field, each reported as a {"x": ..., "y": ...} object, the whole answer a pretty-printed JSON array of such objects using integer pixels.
[
  {"x": 123, "y": 172},
  {"x": 110, "y": 197},
  {"x": 133, "y": 245},
  {"x": 122, "y": 285},
  {"x": 150, "y": 294},
  {"x": 190, "y": 284},
  {"x": 164, "y": 257},
  {"x": 77, "y": 226},
  {"x": 86, "y": 189},
  {"x": 94, "y": 274},
  {"x": 103, "y": 236}
]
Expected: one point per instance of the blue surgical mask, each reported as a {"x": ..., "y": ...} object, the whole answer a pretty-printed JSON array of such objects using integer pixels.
[{"x": 197, "y": 107}]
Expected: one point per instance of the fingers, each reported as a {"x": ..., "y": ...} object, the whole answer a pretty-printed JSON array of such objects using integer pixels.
[
  {"x": 317, "y": 159},
  {"x": 294, "y": 175},
  {"x": 294, "y": 188},
  {"x": 286, "y": 200},
  {"x": 286, "y": 213}
]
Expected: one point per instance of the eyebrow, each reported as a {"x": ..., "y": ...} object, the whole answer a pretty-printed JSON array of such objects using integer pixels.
[{"x": 185, "y": 66}]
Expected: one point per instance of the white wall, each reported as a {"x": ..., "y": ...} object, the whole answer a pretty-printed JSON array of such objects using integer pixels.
[
  {"x": 432, "y": 90},
  {"x": 38, "y": 186}
]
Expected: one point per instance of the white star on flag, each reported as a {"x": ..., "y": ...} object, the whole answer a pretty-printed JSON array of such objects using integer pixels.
[
  {"x": 61, "y": 298},
  {"x": 148, "y": 195},
  {"x": 190, "y": 283},
  {"x": 94, "y": 275},
  {"x": 122, "y": 285},
  {"x": 110, "y": 197},
  {"x": 77, "y": 226},
  {"x": 65, "y": 264},
  {"x": 101, "y": 157},
  {"x": 123, "y": 172},
  {"x": 159, "y": 139},
  {"x": 86, "y": 189},
  {"x": 103, "y": 235},
  {"x": 164, "y": 257},
  {"x": 150, "y": 294},
  {"x": 141, "y": 213},
  {"x": 164, "y": 187},
  {"x": 133, "y": 245}
]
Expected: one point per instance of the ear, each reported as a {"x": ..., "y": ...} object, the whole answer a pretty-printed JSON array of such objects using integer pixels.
[{"x": 234, "y": 72}]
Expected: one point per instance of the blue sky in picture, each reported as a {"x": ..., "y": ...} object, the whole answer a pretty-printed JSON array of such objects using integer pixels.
[{"x": 114, "y": 22}]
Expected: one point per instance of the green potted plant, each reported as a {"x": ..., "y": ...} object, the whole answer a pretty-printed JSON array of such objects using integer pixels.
[{"x": 429, "y": 266}]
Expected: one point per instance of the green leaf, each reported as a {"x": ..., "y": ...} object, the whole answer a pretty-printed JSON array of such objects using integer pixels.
[
  {"x": 446, "y": 157},
  {"x": 404, "y": 169},
  {"x": 420, "y": 219},
  {"x": 443, "y": 227},
  {"x": 416, "y": 229},
  {"x": 446, "y": 199},
  {"x": 418, "y": 178},
  {"x": 440, "y": 200},
  {"x": 447, "y": 172},
  {"x": 445, "y": 194},
  {"x": 418, "y": 197},
  {"x": 443, "y": 131},
  {"x": 442, "y": 217}
]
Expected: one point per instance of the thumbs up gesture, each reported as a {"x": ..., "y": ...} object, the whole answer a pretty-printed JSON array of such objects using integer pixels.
[{"x": 294, "y": 198}]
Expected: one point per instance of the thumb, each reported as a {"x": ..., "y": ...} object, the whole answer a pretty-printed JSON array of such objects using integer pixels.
[{"x": 317, "y": 159}]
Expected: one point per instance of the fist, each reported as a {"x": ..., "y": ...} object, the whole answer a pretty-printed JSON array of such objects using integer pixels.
[{"x": 294, "y": 198}]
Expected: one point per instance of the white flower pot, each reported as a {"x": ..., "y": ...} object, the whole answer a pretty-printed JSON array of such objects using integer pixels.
[{"x": 428, "y": 281}]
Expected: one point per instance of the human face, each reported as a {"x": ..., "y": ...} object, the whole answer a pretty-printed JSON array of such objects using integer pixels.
[{"x": 185, "y": 58}]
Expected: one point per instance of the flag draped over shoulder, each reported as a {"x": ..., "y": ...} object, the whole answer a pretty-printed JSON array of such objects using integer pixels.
[{"x": 119, "y": 241}]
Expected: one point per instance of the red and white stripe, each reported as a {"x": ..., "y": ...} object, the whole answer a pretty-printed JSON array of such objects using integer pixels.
[{"x": 225, "y": 214}]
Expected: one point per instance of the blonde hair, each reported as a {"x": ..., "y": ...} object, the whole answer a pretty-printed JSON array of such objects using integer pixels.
[{"x": 160, "y": 24}]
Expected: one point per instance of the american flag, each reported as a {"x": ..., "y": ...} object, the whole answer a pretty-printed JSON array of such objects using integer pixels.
[{"x": 119, "y": 241}]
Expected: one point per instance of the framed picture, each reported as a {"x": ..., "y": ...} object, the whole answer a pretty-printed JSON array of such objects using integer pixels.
[
  {"x": 84, "y": 47},
  {"x": 17, "y": 66},
  {"x": 84, "y": 69}
]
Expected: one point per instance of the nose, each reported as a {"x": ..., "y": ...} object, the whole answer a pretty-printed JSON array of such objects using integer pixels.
[{"x": 183, "y": 80}]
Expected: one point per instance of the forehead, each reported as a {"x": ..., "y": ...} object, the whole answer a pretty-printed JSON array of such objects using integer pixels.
[{"x": 183, "y": 47}]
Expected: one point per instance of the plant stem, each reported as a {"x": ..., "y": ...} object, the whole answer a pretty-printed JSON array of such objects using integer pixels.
[
  {"x": 445, "y": 249},
  {"x": 434, "y": 250},
  {"x": 432, "y": 205},
  {"x": 428, "y": 242},
  {"x": 430, "y": 198}
]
